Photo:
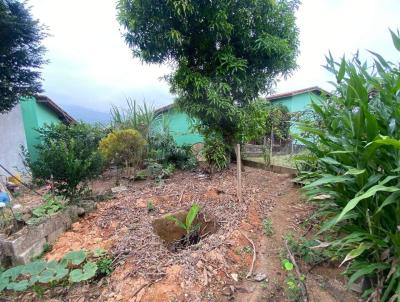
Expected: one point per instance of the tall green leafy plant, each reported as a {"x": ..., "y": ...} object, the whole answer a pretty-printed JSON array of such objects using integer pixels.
[
  {"x": 224, "y": 53},
  {"x": 67, "y": 156},
  {"x": 134, "y": 116},
  {"x": 357, "y": 176}
]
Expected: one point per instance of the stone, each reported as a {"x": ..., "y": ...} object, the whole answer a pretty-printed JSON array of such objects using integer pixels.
[
  {"x": 88, "y": 205},
  {"x": 235, "y": 277},
  {"x": 260, "y": 277},
  {"x": 119, "y": 189},
  {"x": 226, "y": 291}
]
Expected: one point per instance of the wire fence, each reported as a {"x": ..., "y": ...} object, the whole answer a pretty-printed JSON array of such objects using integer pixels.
[{"x": 278, "y": 152}]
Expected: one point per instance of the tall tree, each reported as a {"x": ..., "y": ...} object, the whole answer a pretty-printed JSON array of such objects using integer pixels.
[
  {"x": 21, "y": 53},
  {"x": 224, "y": 53}
]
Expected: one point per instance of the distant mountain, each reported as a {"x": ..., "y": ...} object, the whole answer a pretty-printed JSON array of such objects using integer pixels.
[{"x": 87, "y": 115}]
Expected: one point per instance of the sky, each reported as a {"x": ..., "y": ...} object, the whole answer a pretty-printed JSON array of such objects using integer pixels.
[{"x": 91, "y": 66}]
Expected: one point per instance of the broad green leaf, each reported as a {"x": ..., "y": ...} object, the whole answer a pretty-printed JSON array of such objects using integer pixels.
[
  {"x": 87, "y": 272},
  {"x": 355, "y": 171},
  {"x": 393, "y": 198},
  {"x": 177, "y": 221},
  {"x": 396, "y": 39},
  {"x": 75, "y": 257},
  {"x": 34, "y": 268},
  {"x": 366, "y": 270},
  {"x": 287, "y": 265},
  {"x": 19, "y": 286},
  {"x": 191, "y": 215},
  {"x": 371, "y": 192},
  {"x": 327, "y": 180},
  {"x": 13, "y": 272},
  {"x": 4, "y": 281},
  {"x": 342, "y": 70},
  {"x": 355, "y": 253}
]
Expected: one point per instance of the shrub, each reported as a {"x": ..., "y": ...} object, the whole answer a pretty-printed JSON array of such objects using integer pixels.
[
  {"x": 164, "y": 150},
  {"x": 67, "y": 156},
  {"x": 124, "y": 147},
  {"x": 216, "y": 152},
  {"x": 358, "y": 170},
  {"x": 52, "y": 204}
]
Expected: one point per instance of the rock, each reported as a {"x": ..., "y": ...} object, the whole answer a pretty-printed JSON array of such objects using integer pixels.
[
  {"x": 226, "y": 291},
  {"x": 235, "y": 277},
  {"x": 119, "y": 189},
  {"x": 260, "y": 277},
  {"x": 88, "y": 205}
]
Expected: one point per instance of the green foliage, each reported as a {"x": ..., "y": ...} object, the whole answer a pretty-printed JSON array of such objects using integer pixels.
[
  {"x": 124, "y": 148},
  {"x": 267, "y": 227},
  {"x": 21, "y": 53},
  {"x": 104, "y": 266},
  {"x": 76, "y": 266},
  {"x": 216, "y": 152},
  {"x": 67, "y": 156},
  {"x": 52, "y": 204},
  {"x": 164, "y": 150},
  {"x": 225, "y": 53},
  {"x": 135, "y": 116},
  {"x": 87, "y": 272},
  {"x": 150, "y": 206},
  {"x": 357, "y": 170},
  {"x": 158, "y": 172},
  {"x": 187, "y": 225},
  {"x": 287, "y": 265},
  {"x": 278, "y": 121}
]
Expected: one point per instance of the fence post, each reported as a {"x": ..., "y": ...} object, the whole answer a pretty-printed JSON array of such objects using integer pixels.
[{"x": 239, "y": 173}]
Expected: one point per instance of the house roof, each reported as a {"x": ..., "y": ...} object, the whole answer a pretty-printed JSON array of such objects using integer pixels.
[
  {"x": 272, "y": 98},
  {"x": 314, "y": 89},
  {"x": 164, "y": 108},
  {"x": 63, "y": 116}
]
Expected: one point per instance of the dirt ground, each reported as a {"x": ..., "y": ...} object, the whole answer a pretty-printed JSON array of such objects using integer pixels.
[{"x": 215, "y": 269}]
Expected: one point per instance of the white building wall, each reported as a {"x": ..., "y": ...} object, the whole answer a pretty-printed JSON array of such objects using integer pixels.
[{"x": 12, "y": 136}]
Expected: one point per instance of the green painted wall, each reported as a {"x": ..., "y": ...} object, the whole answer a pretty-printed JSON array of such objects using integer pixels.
[
  {"x": 297, "y": 103},
  {"x": 35, "y": 115},
  {"x": 179, "y": 125}
]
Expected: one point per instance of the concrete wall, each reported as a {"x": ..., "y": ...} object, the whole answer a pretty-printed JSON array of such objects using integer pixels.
[
  {"x": 12, "y": 136},
  {"x": 35, "y": 115}
]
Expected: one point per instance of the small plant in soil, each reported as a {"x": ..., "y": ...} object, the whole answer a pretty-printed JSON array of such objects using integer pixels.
[
  {"x": 192, "y": 231},
  {"x": 150, "y": 206},
  {"x": 292, "y": 288},
  {"x": 52, "y": 204},
  {"x": 267, "y": 227}
]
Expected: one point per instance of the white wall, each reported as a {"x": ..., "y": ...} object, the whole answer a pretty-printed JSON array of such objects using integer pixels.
[{"x": 12, "y": 136}]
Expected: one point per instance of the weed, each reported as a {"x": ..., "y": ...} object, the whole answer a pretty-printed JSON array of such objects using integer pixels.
[
  {"x": 150, "y": 206},
  {"x": 248, "y": 249},
  {"x": 104, "y": 266},
  {"x": 267, "y": 227},
  {"x": 38, "y": 290},
  {"x": 53, "y": 204}
]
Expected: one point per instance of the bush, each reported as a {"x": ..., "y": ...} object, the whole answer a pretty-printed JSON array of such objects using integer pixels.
[
  {"x": 357, "y": 176},
  {"x": 124, "y": 148},
  {"x": 67, "y": 156},
  {"x": 164, "y": 150},
  {"x": 216, "y": 152}
]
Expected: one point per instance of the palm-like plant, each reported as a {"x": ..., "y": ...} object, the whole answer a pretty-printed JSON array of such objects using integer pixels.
[
  {"x": 187, "y": 225},
  {"x": 357, "y": 171}
]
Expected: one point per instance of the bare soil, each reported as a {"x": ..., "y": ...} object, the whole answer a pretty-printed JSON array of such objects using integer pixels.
[{"x": 214, "y": 269}]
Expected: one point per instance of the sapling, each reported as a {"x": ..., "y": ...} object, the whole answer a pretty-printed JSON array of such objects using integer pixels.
[{"x": 187, "y": 225}]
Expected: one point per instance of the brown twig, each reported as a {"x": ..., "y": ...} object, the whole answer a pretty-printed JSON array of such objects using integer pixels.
[
  {"x": 250, "y": 273},
  {"x": 299, "y": 276},
  {"x": 145, "y": 286}
]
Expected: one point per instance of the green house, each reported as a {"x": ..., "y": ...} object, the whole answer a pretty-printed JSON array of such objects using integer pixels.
[
  {"x": 180, "y": 125},
  {"x": 18, "y": 128}
]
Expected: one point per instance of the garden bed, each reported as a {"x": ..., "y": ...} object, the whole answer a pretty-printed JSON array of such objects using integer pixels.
[{"x": 215, "y": 268}]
